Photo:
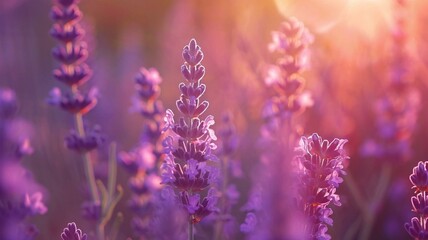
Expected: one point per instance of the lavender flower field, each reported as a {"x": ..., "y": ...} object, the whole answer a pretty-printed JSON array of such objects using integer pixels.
[{"x": 222, "y": 120}]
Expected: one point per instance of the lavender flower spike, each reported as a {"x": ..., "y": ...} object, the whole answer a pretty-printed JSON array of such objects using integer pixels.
[
  {"x": 418, "y": 227},
  {"x": 143, "y": 161},
  {"x": 189, "y": 143},
  {"x": 71, "y": 232},
  {"x": 320, "y": 166}
]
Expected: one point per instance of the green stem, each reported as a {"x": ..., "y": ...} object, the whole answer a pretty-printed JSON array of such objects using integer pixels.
[
  {"x": 353, "y": 229},
  {"x": 379, "y": 195},
  {"x": 191, "y": 236},
  {"x": 100, "y": 232},
  {"x": 112, "y": 170},
  {"x": 356, "y": 194},
  {"x": 116, "y": 225},
  {"x": 89, "y": 169}
]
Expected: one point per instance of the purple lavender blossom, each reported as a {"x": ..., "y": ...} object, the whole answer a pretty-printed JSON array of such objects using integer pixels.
[
  {"x": 274, "y": 211},
  {"x": 143, "y": 161},
  {"x": 8, "y": 105},
  {"x": 71, "y": 232},
  {"x": 397, "y": 109},
  {"x": 320, "y": 167},
  {"x": 20, "y": 196},
  {"x": 189, "y": 143},
  {"x": 285, "y": 78},
  {"x": 72, "y": 52},
  {"x": 89, "y": 142},
  {"x": 418, "y": 228}
]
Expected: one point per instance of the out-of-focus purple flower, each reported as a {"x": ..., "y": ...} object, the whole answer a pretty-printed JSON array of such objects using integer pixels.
[
  {"x": 92, "y": 140},
  {"x": 285, "y": 78},
  {"x": 71, "y": 232},
  {"x": 190, "y": 142},
  {"x": 20, "y": 195},
  {"x": 320, "y": 165},
  {"x": 74, "y": 102},
  {"x": 146, "y": 101},
  {"x": 143, "y": 161},
  {"x": 92, "y": 210},
  {"x": 14, "y": 132},
  {"x": 397, "y": 108},
  {"x": 274, "y": 208},
  {"x": 250, "y": 223},
  {"x": 34, "y": 203},
  {"x": 418, "y": 227},
  {"x": 8, "y": 105}
]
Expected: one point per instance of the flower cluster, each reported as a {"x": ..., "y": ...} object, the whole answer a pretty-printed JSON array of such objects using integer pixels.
[
  {"x": 189, "y": 161},
  {"x": 20, "y": 195},
  {"x": 418, "y": 227},
  {"x": 320, "y": 166},
  {"x": 73, "y": 72},
  {"x": 278, "y": 134},
  {"x": 143, "y": 161},
  {"x": 71, "y": 232},
  {"x": 397, "y": 109},
  {"x": 285, "y": 78}
]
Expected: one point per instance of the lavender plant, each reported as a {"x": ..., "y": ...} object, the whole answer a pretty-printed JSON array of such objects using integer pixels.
[
  {"x": 396, "y": 114},
  {"x": 320, "y": 167},
  {"x": 418, "y": 228},
  {"x": 74, "y": 72},
  {"x": 285, "y": 79},
  {"x": 143, "y": 161},
  {"x": 189, "y": 162},
  {"x": 285, "y": 83},
  {"x": 398, "y": 107},
  {"x": 20, "y": 195}
]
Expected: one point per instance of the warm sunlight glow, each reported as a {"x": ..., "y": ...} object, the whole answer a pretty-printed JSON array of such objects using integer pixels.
[{"x": 363, "y": 15}]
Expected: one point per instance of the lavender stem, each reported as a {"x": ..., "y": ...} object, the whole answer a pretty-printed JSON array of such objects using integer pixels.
[
  {"x": 191, "y": 235},
  {"x": 89, "y": 169}
]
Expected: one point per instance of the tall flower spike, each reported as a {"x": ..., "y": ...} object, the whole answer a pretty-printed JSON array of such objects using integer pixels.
[
  {"x": 397, "y": 109},
  {"x": 418, "y": 228},
  {"x": 71, "y": 52},
  {"x": 285, "y": 78},
  {"x": 284, "y": 83},
  {"x": 320, "y": 167},
  {"x": 189, "y": 143},
  {"x": 143, "y": 161}
]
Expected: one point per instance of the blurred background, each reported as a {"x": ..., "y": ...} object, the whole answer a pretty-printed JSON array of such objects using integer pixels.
[{"x": 350, "y": 65}]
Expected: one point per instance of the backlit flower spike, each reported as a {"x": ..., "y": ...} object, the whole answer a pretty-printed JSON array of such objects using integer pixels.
[
  {"x": 285, "y": 78},
  {"x": 285, "y": 84},
  {"x": 320, "y": 165},
  {"x": 71, "y": 232},
  {"x": 189, "y": 143},
  {"x": 418, "y": 226},
  {"x": 398, "y": 107}
]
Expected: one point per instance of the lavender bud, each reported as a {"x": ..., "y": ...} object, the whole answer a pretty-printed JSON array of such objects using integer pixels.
[{"x": 71, "y": 232}]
